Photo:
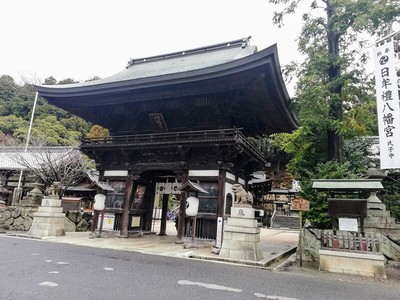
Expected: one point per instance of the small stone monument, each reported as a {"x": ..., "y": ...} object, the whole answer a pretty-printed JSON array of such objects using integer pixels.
[
  {"x": 241, "y": 234},
  {"x": 49, "y": 219},
  {"x": 2, "y": 221},
  {"x": 33, "y": 198}
]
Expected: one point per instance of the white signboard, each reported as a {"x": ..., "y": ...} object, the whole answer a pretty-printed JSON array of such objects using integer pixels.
[
  {"x": 218, "y": 240},
  {"x": 348, "y": 224},
  {"x": 387, "y": 100},
  {"x": 108, "y": 221}
]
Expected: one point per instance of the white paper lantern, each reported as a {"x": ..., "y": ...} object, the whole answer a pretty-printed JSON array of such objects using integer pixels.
[
  {"x": 192, "y": 206},
  {"x": 99, "y": 202}
]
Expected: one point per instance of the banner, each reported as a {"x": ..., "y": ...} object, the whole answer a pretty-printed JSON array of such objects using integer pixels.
[{"x": 387, "y": 104}]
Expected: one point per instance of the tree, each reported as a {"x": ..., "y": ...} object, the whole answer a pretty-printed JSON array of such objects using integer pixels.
[
  {"x": 65, "y": 165},
  {"x": 97, "y": 132},
  {"x": 93, "y": 78},
  {"x": 50, "y": 81},
  {"x": 7, "y": 88},
  {"x": 51, "y": 125},
  {"x": 10, "y": 124},
  {"x": 332, "y": 80},
  {"x": 67, "y": 81}
]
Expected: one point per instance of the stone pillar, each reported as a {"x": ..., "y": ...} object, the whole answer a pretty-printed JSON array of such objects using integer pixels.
[
  {"x": 3, "y": 206},
  {"x": 49, "y": 218},
  {"x": 242, "y": 235}
]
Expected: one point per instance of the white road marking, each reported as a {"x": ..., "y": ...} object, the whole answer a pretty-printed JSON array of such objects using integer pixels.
[
  {"x": 62, "y": 263},
  {"x": 109, "y": 269},
  {"x": 209, "y": 286},
  {"x": 48, "y": 283},
  {"x": 34, "y": 253},
  {"x": 48, "y": 260},
  {"x": 54, "y": 272},
  {"x": 273, "y": 297}
]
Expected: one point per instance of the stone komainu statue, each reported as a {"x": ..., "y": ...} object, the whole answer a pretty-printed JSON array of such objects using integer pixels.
[{"x": 241, "y": 196}]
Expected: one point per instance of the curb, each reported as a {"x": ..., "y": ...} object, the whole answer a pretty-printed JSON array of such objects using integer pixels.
[{"x": 260, "y": 264}]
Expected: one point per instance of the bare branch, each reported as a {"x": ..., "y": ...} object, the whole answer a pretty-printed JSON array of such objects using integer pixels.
[{"x": 48, "y": 165}]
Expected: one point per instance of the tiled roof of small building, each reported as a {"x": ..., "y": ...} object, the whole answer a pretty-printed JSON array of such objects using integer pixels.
[{"x": 11, "y": 157}]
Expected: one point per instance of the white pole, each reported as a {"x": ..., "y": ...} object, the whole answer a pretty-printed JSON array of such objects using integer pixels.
[{"x": 27, "y": 140}]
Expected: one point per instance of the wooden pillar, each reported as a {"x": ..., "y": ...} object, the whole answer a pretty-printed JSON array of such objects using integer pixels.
[
  {"x": 129, "y": 189},
  {"x": 163, "y": 225},
  {"x": 182, "y": 211},
  {"x": 149, "y": 200}
]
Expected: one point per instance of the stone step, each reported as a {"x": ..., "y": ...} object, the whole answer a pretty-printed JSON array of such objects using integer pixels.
[
  {"x": 292, "y": 222},
  {"x": 379, "y": 220}
]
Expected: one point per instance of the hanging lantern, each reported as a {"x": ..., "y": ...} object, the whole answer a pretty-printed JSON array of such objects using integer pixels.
[{"x": 192, "y": 206}]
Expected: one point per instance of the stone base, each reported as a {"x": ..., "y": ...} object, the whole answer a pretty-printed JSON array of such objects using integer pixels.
[
  {"x": 380, "y": 220},
  {"x": 377, "y": 206},
  {"x": 2, "y": 225},
  {"x": 49, "y": 220},
  {"x": 242, "y": 236},
  {"x": 364, "y": 264}
]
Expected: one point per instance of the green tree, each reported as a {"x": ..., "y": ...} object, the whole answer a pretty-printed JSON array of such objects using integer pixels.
[
  {"x": 93, "y": 78},
  {"x": 7, "y": 88},
  {"x": 67, "y": 81},
  {"x": 51, "y": 126},
  {"x": 332, "y": 78},
  {"x": 10, "y": 124},
  {"x": 334, "y": 98},
  {"x": 97, "y": 132},
  {"x": 53, "y": 133},
  {"x": 50, "y": 81}
]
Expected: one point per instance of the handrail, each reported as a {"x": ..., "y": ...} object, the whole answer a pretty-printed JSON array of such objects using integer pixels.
[
  {"x": 222, "y": 135},
  {"x": 273, "y": 217},
  {"x": 165, "y": 136}
]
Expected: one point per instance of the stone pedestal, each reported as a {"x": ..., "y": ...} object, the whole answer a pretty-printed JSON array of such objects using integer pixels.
[
  {"x": 378, "y": 218},
  {"x": 241, "y": 235},
  {"x": 49, "y": 219}
]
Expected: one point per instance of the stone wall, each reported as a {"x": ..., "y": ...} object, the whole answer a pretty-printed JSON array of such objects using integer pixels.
[
  {"x": 17, "y": 218},
  {"x": 21, "y": 218}
]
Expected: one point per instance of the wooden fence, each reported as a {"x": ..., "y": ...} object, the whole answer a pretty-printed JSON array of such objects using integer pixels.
[{"x": 350, "y": 241}]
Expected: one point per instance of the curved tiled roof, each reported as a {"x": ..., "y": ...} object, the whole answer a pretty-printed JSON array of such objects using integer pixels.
[
  {"x": 166, "y": 64},
  {"x": 219, "y": 68}
]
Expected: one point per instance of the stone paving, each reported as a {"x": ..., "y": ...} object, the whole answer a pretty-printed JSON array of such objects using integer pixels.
[{"x": 275, "y": 244}]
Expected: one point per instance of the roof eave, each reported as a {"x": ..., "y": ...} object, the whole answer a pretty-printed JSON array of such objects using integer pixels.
[{"x": 256, "y": 60}]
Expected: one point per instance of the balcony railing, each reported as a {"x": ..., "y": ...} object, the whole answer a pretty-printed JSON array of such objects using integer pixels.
[{"x": 182, "y": 138}]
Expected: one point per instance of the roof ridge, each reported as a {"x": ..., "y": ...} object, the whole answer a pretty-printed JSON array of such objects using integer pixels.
[{"x": 243, "y": 43}]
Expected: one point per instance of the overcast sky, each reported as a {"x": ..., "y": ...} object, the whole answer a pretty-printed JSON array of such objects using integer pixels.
[{"x": 82, "y": 38}]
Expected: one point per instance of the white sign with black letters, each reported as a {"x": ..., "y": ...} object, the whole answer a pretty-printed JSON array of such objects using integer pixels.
[
  {"x": 348, "y": 224},
  {"x": 387, "y": 100}
]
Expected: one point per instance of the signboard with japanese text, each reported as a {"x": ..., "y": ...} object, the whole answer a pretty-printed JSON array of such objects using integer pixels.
[
  {"x": 300, "y": 204},
  {"x": 388, "y": 109},
  {"x": 218, "y": 240},
  {"x": 135, "y": 221},
  {"x": 348, "y": 224},
  {"x": 108, "y": 221}
]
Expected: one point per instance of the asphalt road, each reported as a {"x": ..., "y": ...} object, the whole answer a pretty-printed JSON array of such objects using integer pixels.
[{"x": 35, "y": 269}]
